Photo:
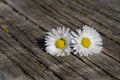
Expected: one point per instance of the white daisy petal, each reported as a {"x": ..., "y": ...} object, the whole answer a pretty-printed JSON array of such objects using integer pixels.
[
  {"x": 74, "y": 34},
  {"x": 75, "y": 52},
  {"x": 58, "y": 42},
  {"x": 87, "y": 41}
]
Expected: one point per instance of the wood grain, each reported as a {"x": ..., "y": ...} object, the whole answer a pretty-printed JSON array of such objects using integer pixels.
[{"x": 23, "y": 26}]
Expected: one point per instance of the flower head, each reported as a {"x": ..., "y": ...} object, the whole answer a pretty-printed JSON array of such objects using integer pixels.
[
  {"x": 58, "y": 42},
  {"x": 86, "y": 41}
]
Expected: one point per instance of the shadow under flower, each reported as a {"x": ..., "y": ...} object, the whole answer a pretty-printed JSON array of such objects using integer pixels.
[{"x": 41, "y": 43}]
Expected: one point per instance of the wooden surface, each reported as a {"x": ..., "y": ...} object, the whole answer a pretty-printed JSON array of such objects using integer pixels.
[{"x": 23, "y": 24}]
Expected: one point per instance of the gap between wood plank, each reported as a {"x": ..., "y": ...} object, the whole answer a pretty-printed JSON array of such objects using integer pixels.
[
  {"x": 116, "y": 41},
  {"x": 27, "y": 58},
  {"x": 98, "y": 10},
  {"x": 77, "y": 19},
  {"x": 19, "y": 66}
]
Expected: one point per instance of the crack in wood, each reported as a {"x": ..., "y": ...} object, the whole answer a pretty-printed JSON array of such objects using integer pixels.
[
  {"x": 17, "y": 64},
  {"x": 31, "y": 22}
]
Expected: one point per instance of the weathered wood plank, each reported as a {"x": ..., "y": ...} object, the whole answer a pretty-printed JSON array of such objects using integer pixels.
[
  {"x": 27, "y": 22},
  {"x": 9, "y": 70},
  {"x": 28, "y": 28},
  {"x": 22, "y": 11},
  {"x": 103, "y": 7},
  {"x": 85, "y": 15},
  {"x": 108, "y": 4},
  {"x": 106, "y": 44},
  {"x": 29, "y": 65},
  {"x": 36, "y": 68},
  {"x": 30, "y": 34},
  {"x": 63, "y": 9},
  {"x": 61, "y": 71}
]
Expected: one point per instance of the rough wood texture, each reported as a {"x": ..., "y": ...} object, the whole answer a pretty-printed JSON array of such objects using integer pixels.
[{"x": 23, "y": 24}]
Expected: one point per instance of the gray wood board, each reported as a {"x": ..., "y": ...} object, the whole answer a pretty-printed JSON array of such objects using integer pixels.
[{"x": 24, "y": 23}]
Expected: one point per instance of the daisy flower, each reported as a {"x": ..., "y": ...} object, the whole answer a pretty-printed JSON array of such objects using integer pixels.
[
  {"x": 58, "y": 42},
  {"x": 87, "y": 41}
]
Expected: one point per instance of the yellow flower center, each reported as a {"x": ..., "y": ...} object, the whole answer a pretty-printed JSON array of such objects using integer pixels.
[
  {"x": 60, "y": 43},
  {"x": 86, "y": 42}
]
